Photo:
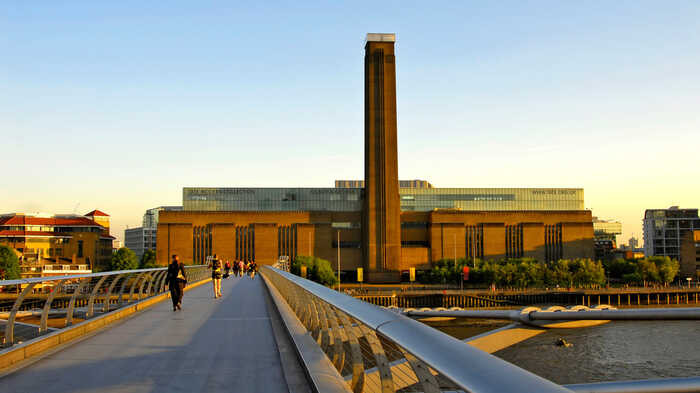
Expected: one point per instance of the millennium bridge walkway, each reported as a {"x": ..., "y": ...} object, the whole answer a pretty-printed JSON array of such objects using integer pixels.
[
  {"x": 212, "y": 345},
  {"x": 116, "y": 332}
]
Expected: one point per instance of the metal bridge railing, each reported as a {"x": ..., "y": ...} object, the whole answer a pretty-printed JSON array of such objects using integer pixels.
[
  {"x": 32, "y": 307},
  {"x": 377, "y": 350}
]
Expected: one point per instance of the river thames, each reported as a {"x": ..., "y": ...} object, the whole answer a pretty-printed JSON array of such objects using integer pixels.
[{"x": 614, "y": 351}]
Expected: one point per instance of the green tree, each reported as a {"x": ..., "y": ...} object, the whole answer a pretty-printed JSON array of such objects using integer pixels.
[
  {"x": 559, "y": 273},
  {"x": 519, "y": 272},
  {"x": 587, "y": 272},
  {"x": 148, "y": 260},
  {"x": 124, "y": 259},
  {"x": 648, "y": 271},
  {"x": 632, "y": 278},
  {"x": 667, "y": 267},
  {"x": 317, "y": 269},
  {"x": 9, "y": 263},
  {"x": 617, "y": 268}
]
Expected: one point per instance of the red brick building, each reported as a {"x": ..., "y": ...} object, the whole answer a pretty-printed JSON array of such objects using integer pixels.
[{"x": 382, "y": 228}]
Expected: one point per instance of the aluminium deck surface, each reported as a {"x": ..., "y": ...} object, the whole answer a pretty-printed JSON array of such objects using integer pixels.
[{"x": 212, "y": 345}]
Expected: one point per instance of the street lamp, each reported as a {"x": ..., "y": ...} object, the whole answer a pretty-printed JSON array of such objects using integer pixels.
[{"x": 338, "y": 260}]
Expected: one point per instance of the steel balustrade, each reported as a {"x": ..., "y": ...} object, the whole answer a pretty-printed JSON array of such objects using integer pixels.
[
  {"x": 88, "y": 289},
  {"x": 43, "y": 324},
  {"x": 376, "y": 349},
  {"x": 133, "y": 286},
  {"x": 108, "y": 294}
]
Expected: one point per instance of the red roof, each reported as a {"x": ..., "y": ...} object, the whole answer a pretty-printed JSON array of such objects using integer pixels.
[
  {"x": 97, "y": 213},
  {"x": 32, "y": 233},
  {"x": 20, "y": 219}
]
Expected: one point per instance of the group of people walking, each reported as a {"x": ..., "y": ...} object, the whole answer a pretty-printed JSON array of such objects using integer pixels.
[
  {"x": 240, "y": 269},
  {"x": 176, "y": 279}
]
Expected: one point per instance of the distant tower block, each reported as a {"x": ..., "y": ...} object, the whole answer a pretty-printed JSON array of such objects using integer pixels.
[{"x": 381, "y": 221}]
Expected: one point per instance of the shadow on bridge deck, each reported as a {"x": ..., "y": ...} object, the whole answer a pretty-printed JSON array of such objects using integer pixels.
[{"x": 212, "y": 345}]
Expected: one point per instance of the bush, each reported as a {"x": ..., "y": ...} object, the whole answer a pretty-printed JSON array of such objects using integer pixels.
[
  {"x": 9, "y": 263},
  {"x": 317, "y": 269}
]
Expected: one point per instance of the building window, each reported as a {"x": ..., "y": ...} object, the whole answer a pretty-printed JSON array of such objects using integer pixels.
[
  {"x": 80, "y": 248},
  {"x": 345, "y": 225},
  {"x": 413, "y": 224},
  {"x": 415, "y": 243},
  {"x": 348, "y": 244}
]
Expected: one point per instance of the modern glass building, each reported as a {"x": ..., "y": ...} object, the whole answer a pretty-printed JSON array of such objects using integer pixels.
[
  {"x": 150, "y": 218},
  {"x": 664, "y": 230},
  {"x": 606, "y": 229},
  {"x": 140, "y": 239},
  {"x": 427, "y": 199},
  {"x": 342, "y": 199},
  {"x": 144, "y": 237},
  {"x": 272, "y": 199}
]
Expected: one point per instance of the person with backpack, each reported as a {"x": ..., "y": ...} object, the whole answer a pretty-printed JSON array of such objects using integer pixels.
[
  {"x": 176, "y": 280},
  {"x": 236, "y": 266},
  {"x": 215, "y": 266},
  {"x": 252, "y": 268},
  {"x": 227, "y": 269}
]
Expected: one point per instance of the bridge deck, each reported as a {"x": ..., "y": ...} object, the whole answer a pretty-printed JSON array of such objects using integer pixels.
[{"x": 213, "y": 345}]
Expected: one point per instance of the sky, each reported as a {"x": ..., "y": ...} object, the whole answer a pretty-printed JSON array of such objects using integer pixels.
[{"x": 119, "y": 105}]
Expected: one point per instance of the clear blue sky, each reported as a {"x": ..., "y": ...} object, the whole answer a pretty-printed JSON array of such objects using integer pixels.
[{"x": 118, "y": 105}]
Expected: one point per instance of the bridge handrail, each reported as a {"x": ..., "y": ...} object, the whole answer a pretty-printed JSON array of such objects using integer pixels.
[
  {"x": 466, "y": 367},
  {"x": 24, "y": 281},
  {"x": 87, "y": 289}
]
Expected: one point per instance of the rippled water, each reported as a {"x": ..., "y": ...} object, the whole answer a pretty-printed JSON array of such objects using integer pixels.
[{"x": 614, "y": 351}]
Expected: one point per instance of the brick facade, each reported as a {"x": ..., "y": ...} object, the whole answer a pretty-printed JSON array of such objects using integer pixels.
[{"x": 430, "y": 236}]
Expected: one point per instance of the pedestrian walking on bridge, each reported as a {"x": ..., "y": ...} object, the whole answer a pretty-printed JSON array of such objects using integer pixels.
[
  {"x": 215, "y": 266},
  {"x": 236, "y": 266},
  {"x": 252, "y": 269},
  {"x": 176, "y": 280},
  {"x": 227, "y": 269}
]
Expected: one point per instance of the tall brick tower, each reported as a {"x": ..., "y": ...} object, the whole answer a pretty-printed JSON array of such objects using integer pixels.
[{"x": 381, "y": 229}]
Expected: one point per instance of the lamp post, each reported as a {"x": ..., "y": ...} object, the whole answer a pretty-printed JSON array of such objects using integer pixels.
[
  {"x": 455, "y": 247},
  {"x": 454, "y": 242},
  {"x": 338, "y": 260}
]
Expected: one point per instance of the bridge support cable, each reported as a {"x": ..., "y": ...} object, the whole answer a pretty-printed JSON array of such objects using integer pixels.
[
  {"x": 385, "y": 351},
  {"x": 552, "y": 316}
]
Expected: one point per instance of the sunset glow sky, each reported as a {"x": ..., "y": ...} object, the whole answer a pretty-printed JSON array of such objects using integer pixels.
[{"x": 118, "y": 105}]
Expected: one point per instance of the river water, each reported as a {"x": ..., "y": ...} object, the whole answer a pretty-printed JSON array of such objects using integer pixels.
[{"x": 614, "y": 351}]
